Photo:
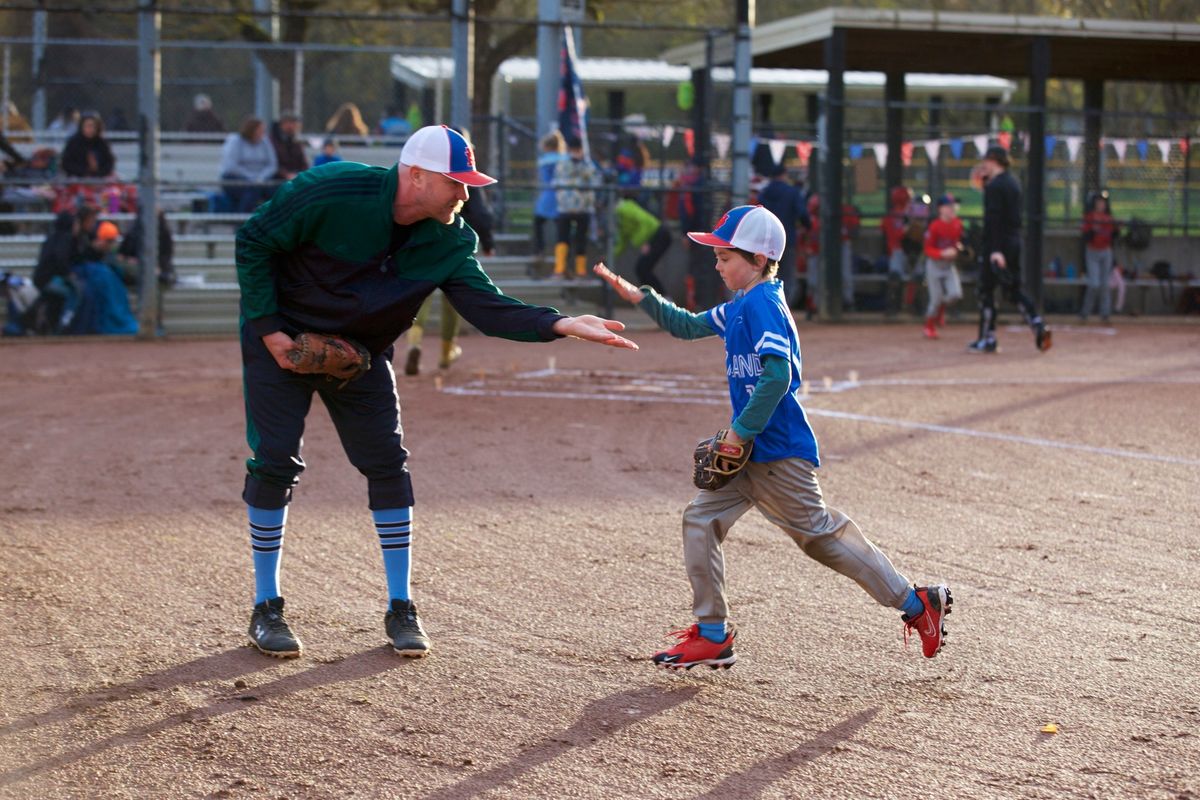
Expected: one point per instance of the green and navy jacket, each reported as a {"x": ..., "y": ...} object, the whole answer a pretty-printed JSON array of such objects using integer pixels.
[{"x": 318, "y": 257}]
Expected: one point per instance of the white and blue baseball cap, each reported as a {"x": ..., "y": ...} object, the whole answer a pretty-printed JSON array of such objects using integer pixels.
[
  {"x": 750, "y": 228},
  {"x": 437, "y": 148}
]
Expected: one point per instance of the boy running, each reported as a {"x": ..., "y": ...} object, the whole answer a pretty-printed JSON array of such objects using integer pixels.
[{"x": 762, "y": 353}]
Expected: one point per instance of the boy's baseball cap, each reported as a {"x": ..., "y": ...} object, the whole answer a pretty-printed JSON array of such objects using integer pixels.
[
  {"x": 439, "y": 149},
  {"x": 947, "y": 200},
  {"x": 750, "y": 228},
  {"x": 107, "y": 232}
]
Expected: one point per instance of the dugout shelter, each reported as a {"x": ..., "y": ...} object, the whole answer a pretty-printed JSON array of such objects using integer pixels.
[{"x": 1032, "y": 48}]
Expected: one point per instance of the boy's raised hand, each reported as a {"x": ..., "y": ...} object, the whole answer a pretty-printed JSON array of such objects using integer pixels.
[{"x": 624, "y": 289}]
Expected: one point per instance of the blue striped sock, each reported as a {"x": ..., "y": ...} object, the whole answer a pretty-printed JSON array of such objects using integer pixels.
[
  {"x": 912, "y": 604},
  {"x": 713, "y": 631},
  {"x": 394, "y": 526},
  {"x": 266, "y": 540}
]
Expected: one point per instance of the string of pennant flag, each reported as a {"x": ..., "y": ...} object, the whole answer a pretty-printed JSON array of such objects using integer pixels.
[{"x": 932, "y": 147}]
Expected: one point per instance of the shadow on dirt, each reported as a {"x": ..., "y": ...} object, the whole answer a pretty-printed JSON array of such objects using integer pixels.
[
  {"x": 221, "y": 666},
  {"x": 756, "y": 779},
  {"x": 598, "y": 720}
]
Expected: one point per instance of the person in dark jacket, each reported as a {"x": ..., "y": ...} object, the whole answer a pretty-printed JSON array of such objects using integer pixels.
[
  {"x": 1001, "y": 261},
  {"x": 353, "y": 250},
  {"x": 52, "y": 276},
  {"x": 785, "y": 201},
  {"x": 87, "y": 154},
  {"x": 289, "y": 149}
]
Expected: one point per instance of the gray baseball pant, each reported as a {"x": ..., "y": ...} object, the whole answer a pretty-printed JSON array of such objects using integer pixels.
[{"x": 786, "y": 492}]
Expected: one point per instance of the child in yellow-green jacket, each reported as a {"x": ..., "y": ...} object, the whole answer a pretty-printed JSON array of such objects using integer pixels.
[{"x": 637, "y": 227}]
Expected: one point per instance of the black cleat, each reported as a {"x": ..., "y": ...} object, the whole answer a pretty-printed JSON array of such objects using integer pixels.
[
  {"x": 269, "y": 631},
  {"x": 1043, "y": 338},
  {"x": 412, "y": 363},
  {"x": 405, "y": 631},
  {"x": 983, "y": 346}
]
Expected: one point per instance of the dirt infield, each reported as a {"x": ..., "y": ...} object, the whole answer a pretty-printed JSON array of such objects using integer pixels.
[{"x": 1057, "y": 494}]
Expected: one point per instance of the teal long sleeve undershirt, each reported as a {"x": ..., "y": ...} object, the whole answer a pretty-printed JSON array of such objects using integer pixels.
[
  {"x": 772, "y": 385},
  {"x": 679, "y": 322}
]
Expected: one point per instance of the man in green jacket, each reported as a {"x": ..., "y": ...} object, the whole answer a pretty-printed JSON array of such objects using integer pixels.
[
  {"x": 353, "y": 250},
  {"x": 637, "y": 227}
]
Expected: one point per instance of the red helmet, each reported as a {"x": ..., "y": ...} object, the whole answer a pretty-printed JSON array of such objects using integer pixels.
[{"x": 901, "y": 196}]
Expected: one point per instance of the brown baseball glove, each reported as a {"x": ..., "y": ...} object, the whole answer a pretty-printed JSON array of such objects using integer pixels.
[
  {"x": 336, "y": 357},
  {"x": 718, "y": 460}
]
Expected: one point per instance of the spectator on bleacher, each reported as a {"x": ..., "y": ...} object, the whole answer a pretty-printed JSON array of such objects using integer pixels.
[
  {"x": 14, "y": 158},
  {"x": 329, "y": 153},
  {"x": 247, "y": 157},
  {"x": 290, "y": 157},
  {"x": 202, "y": 119},
  {"x": 545, "y": 209},
  {"x": 1099, "y": 231},
  {"x": 394, "y": 123},
  {"x": 66, "y": 123},
  {"x": 102, "y": 276},
  {"x": 87, "y": 154},
  {"x": 347, "y": 121},
  {"x": 131, "y": 248},
  {"x": 16, "y": 127},
  {"x": 52, "y": 275},
  {"x": 576, "y": 178}
]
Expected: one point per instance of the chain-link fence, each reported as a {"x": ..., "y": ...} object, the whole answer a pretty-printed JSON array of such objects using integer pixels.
[{"x": 350, "y": 81}]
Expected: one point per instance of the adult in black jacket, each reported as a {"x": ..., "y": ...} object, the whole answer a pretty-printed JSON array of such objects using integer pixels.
[
  {"x": 1001, "y": 253},
  {"x": 87, "y": 154}
]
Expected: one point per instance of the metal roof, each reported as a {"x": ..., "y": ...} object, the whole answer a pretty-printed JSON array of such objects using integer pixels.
[
  {"x": 968, "y": 43},
  {"x": 423, "y": 71}
]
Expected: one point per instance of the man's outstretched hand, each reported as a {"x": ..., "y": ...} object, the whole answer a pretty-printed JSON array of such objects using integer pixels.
[{"x": 594, "y": 329}]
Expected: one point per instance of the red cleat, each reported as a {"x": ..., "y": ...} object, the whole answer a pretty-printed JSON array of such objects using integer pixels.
[
  {"x": 930, "y": 330},
  {"x": 930, "y": 622},
  {"x": 694, "y": 650}
]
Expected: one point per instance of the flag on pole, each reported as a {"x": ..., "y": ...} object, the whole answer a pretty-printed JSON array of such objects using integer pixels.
[{"x": 572, "y": 103}]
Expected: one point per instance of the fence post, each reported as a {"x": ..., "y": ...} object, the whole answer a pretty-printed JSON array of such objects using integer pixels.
[
  {"x": 740, "y": 171},
  {"x": 462, "y": 32},
  {"x": 149, "y": 85},
  {"x": 38, "y": 111}
]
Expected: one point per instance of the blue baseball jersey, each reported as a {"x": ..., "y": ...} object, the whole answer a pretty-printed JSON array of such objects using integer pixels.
[{"x": 756, "y": 324}]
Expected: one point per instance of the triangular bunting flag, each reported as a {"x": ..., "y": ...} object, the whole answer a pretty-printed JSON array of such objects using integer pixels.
[
  {"x": 1164, "y": 147},
  {"x": 1143, "y": 147},
  {"x": 1184, "y": 144},
  {"x": 956, "y": 148},
  {"x": 1073, "y": 145},
  {"x": 778, "y": 148},
  {"x": 932, "y": 148},
  {"x": 1005, "y": 139},
  {"x": 804, "y": 150},
  {"x": 981, "y": 144},
  {"x": 856, "y": 151},
  {"x": 689, "y": 141},
  {"x": 1119, "y": 145},
  {"x": 881, "y": 154},
  {"x": 906, "y": 150},
  {"x": 668, "y": 134},
  {"x": 721, "y": 140},
  {"x": 1050, "y": 142}
]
